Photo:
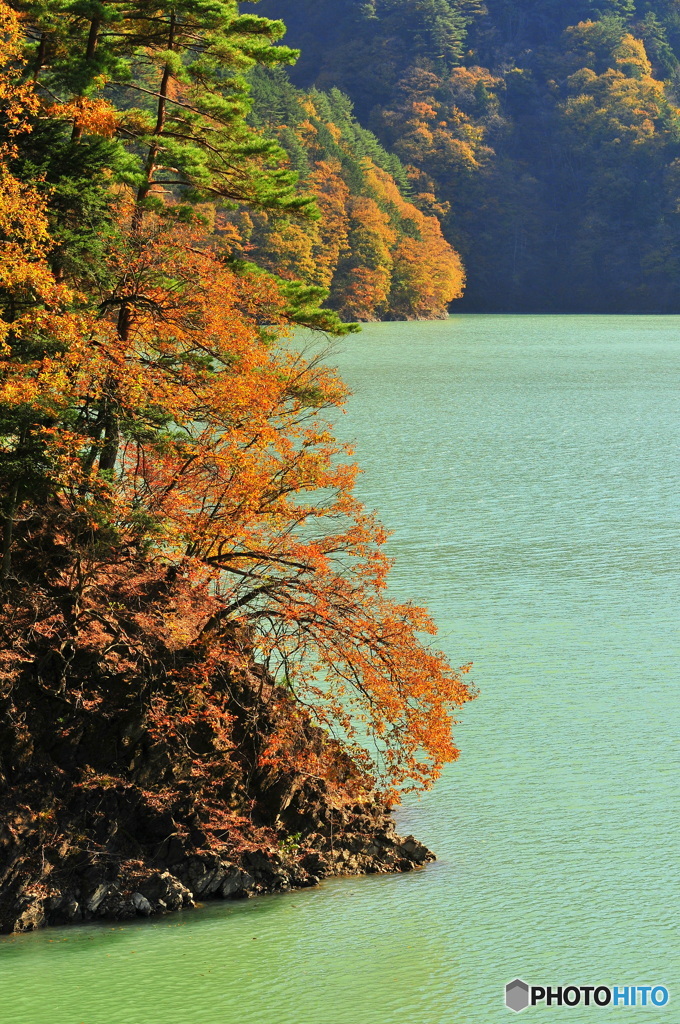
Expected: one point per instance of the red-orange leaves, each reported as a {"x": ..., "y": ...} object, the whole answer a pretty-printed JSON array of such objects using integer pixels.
[
  {"x": 227, "y": 469},
  {"x": 174, "y": 492}
]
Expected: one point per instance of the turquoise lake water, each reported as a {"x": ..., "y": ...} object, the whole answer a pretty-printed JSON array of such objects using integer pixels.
[{"x": 529, "y": 467}]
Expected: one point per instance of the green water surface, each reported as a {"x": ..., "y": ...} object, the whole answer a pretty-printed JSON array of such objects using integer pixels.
[{"x": 529, "y": 468}]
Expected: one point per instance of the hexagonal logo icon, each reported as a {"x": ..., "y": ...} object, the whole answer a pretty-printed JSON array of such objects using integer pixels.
[{"x": 517, "y": 995}]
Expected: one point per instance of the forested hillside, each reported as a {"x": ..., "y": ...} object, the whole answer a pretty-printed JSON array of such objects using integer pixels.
[
  {"x": 377, "y": 254},
  {"x": 548, "y": 130}
]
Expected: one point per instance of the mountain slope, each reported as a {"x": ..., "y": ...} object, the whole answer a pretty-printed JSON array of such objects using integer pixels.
[{"x": 550, "y": 131}]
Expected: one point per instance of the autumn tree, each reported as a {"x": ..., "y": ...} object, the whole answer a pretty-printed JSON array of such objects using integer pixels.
[
  {"x": 176, "y": 439},
  {"x": 32, "y": 332}
]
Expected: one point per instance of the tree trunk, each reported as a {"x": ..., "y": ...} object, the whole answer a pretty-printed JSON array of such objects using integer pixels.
[
  {"x": 7, "y": 534},
  {"x": 154, "y": 149},
  {"x": 92, "y": 41},
  {"x": 111, "y": 410},
  {"x": 40, "y": 56}
]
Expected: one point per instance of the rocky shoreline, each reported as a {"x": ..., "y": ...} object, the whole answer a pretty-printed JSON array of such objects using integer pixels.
[
  {"x": 138, "y": 779},
  {"x": 124, "y": 893},
  {"x": 351, "y": 840}
]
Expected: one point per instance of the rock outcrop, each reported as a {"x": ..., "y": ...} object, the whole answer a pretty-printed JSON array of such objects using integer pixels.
[
  {"x": 141, "y": 773},
  {"x": 111, "y": 824},
  {"x": 133, "y": 870}
]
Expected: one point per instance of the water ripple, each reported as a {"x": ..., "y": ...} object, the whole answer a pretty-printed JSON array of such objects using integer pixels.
[{"x": 529, "y": 469}]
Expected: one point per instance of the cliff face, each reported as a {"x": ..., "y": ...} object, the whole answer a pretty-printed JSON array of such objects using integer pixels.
[{"x": 138, "y": 779}]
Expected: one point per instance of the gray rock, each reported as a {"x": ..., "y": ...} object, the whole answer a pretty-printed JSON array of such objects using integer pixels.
[
  {"x": 141, "y": 904},
  {"x": 30, "y": 917},
  {"x": 97, "y": 898},
  {"x": 415, "y": 851},
  {"x": 163, "y": 888},
  {"x": 235, "y": 883},
  {"x": 203, "y": 875}
]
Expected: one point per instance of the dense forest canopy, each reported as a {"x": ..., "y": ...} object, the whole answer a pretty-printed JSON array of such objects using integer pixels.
[
  {"x": 377, "y": 254},
  {"x": 548, "y": 131}
]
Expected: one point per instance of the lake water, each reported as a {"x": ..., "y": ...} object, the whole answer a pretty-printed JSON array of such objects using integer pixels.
[{"x": 529, "y": 468}]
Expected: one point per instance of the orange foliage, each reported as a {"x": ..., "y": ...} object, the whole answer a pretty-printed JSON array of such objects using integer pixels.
[
  {"x": 428, "y": 274},
  {"x": 228, "y": 489},
  {"x": 332, "y": 196},
  {"x": 378, "y": 254},
  {"x": 24, "y": 231},
  {"x": 179, "y": 435},
  {"x": 94, "y": 117},
  {"x": 289, "y": 247},
  {"x": 17, "y": 99},
  {"x": 447, "y": 133},
  {"x": 366, "y": 289}
]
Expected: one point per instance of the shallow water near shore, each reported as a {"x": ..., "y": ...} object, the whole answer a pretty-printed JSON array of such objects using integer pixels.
[{"x": 529, "y": 468}]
